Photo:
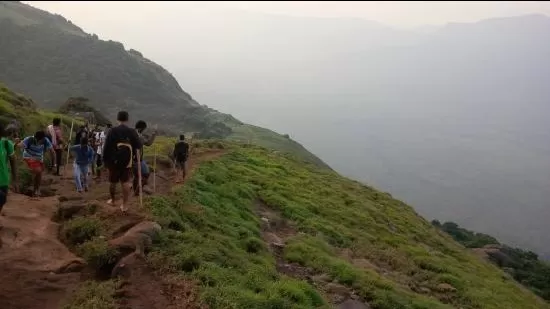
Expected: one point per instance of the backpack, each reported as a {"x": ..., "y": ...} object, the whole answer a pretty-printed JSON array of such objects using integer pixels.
[
  {"x": 181, "y": 151},
  {"x": 123, "y": 155}
]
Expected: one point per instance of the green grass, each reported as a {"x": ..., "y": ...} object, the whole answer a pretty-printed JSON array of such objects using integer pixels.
[
  {"x": 250, "y": 134},
  {"x": 212, "y": 234},
  {"x": 94, "y": 295},
  {"x": 81, "y": 229}
]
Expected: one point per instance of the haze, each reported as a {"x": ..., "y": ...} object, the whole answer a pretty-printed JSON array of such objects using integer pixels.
[{"x": 449, "y": 117}]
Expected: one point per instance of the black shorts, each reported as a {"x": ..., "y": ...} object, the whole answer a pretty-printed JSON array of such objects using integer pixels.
[
  {"x": 181, "y": 164},
  {"x": 3, "y": 196},
  {"x": 119, "y": 175},
  {"x": 99, "y": 161}
]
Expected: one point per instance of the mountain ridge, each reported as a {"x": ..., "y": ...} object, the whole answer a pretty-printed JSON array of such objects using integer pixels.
[{"x": 47, "y": 60}]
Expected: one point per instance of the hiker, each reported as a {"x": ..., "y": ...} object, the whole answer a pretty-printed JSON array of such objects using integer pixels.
[
  {"x": 55, "y": 135},
  {"x": 7, "y": 153},
  {"x": 99, "y": 138},
  {"x": 84, "y": 156},
  {"x": 34, "y": 148},
  {"x": 121, "y": 144},
  {"x": 146, "y": 138},
  {"x": 82, "y": 132},
  {"x": 12, "y": 129},
  {"x": 108, "y": 128},
  {"x": 180, "y": 155}
]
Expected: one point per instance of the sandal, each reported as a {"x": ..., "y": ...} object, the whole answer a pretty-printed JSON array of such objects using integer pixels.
[{"x": 123, "y": 209}]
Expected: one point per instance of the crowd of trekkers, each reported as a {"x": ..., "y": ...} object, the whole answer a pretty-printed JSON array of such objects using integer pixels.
[{"x": 119, "y": 149}]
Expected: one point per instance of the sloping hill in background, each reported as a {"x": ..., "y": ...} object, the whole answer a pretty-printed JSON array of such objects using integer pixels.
[{"x": 50, "y": 59}]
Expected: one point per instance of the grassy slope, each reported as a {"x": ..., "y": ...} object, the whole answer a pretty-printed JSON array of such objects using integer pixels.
[
  {"x": 16, "y": 106},
  {"x": 212, "y": 234}
]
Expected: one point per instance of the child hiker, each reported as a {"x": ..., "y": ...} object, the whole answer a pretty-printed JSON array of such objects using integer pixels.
[
  {"x": 84, "y": 157},
  {"x": 34, "y": 148}
]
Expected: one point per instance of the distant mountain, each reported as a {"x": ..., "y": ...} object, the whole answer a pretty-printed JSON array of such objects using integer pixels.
[
  {"x": 453, "y": 121},
  {"x": 50, "y": 59}
]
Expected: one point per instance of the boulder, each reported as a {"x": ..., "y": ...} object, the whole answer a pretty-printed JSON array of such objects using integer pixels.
[
  {"x": 139, "y": 238},
  {"x": 446, "y": 288},
  {"x": 353, "y": 304}
]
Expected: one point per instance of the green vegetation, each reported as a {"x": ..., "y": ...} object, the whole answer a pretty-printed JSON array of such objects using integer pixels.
[
  {"x": 211, "y": 233},
  {"x": 97, "y": 253},
  {"x": 50, "y": 59},
  {"x": 468, "y": 238},
  {"x": 524, "y": 266},
  {"x": 80, "y": 229},
  {"x": 266, "y": 138},
  {"x": 94, "y": 295},
  {"x": 79, "y": 105}
]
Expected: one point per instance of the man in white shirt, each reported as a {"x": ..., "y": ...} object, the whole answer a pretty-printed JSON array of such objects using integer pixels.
[{"x": 99, "y": 137}]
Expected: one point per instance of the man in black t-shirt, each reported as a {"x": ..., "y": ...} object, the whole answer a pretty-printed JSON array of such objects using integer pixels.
[
  {"x": 121, "y": 144},
  {"x": 180, "y": 155}
]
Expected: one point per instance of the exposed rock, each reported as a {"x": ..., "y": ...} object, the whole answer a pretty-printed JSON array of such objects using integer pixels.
[
  {"x": 273, "y": 239},
  {"x": 124, "y": 267},
  {"x": 338, "y": 292},
  {"x": 73, "y": 266},
  {"x": 364, "y": 263},
  {"x": 265, "y": 223},
  {"x": 337, "y": 288},
  {"x": 445, "y": 287},
  {"x": 139, "y": 238},
  {"x": 353, "y": 304},
  {"x": 67, "y": 211},
  {"x": 321, "y": 278}
]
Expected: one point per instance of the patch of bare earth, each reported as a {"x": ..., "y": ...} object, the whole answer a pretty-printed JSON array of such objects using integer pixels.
[
  {"x": 37, "y": 271},
  {"x": 276, "y": 231}
]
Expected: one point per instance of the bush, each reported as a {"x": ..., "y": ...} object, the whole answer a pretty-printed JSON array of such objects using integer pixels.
[
  {"x": 81, "y": 229},
  {"x": 94, "y": 295},
  {"x": 97, "y": 253}
]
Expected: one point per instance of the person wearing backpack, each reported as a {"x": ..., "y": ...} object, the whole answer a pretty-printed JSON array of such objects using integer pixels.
[
  {"x": 55, "y": 135},
  {"x": 121, "y": 144},
  {"x": 180, "y": 155},
  {"x": 34, "y": 148},
  {"x": 7, "y": 154},
  {"x": 84, "y": 156}
]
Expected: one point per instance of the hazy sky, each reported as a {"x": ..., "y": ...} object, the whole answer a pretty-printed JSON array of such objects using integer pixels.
[{"x": 395, "y": 13}]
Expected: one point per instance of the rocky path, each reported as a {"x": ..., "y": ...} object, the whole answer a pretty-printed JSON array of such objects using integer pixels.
[{"x": 37, "y": 270}]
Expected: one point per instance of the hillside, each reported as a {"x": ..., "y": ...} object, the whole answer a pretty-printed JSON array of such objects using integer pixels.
[
  {"x": 50, "y": 59},
  {"x": 522, "y": 265},
  {"x": 250, "y": 228}
]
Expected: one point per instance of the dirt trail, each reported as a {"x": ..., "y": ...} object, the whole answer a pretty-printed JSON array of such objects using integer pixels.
[
  {"x": 31, "y": 256},
  {"x": 38, "y": 271}
]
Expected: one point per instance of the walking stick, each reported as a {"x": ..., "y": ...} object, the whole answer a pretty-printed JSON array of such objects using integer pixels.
[
  {"x": 139, "y": 180},
  {"x": 155, "y": 171},
  {"x": 69, "y": 146}
]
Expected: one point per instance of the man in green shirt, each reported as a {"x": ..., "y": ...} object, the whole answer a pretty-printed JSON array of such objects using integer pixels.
[{"x": 7, "y": 153}]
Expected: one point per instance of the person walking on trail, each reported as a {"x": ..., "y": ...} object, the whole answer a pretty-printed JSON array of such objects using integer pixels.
[
  {"x": 82, "y": 132},
  {"x": 34, "y": 148},
  {"x": 12, "y": 129},
  {"x": 121, "y": 144},
  {"x": 56, "y": 137},
  {"x": 147, "y": 137},
  {"x": 99, "y": 138},
  {"x": 180, "y": 155},
  {"x": 84, "y": 156},
  {"x": 7, "y": 154}
]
